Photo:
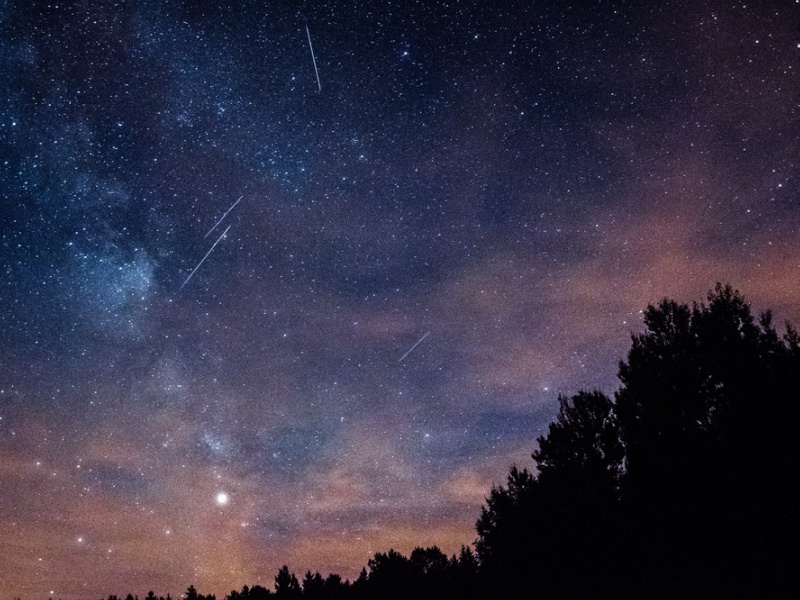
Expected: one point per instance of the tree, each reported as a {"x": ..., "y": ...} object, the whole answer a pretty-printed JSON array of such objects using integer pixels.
[
  {"x": 286, "y": 584},
  {"x": 313, "y": 586},
  {"x": 335, "y": 588},
  {"x": 428, "y": 562},
  {"x": 580, "y": 467},
  {"x": 680, "y": 487},
  {"x": 506, "y": 533},
  {"x": 361, "y": 584},
  {"x": 467, "y": 562},
  {"x": 431, "y": 572},
  {"x": 583, "y": 445},
  {"x": 707, "y": 407},
  {"x": 391, "y": 575},
  {"x": 464, "y": 579},
  {"x": 555, "y": 532},
  {"x": 258, "y": 592}
]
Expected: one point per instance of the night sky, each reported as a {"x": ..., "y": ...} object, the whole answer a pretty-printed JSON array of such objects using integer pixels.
[{"x": 505, "y": 184}]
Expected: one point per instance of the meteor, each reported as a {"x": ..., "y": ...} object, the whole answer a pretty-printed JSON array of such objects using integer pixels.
[
  {"x": 412, "y": 347},
  {"x": 206, "y": 256},
  {"x": 223, "y": 216},
  {"x": 310, "y": 47}
]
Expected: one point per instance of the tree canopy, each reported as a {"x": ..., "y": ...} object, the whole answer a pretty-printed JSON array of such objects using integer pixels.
[{"x": 681, "y": 486}]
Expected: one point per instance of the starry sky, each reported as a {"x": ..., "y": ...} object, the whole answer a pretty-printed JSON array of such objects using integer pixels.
[{"x": 297, "y": 282}]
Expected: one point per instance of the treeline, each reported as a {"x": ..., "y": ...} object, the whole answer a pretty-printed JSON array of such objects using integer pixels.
[
  {"x": 683, "y": 485},
  {"x": 426, "y": 573}
]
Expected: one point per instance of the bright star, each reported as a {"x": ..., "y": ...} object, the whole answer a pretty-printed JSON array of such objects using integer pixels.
[{"x": 223, "y": 498}]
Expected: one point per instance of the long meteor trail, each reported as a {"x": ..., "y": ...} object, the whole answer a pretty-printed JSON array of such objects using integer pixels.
[
  {"x": 206, "y": 256},
  {"x": 310, "y": 47},
  {"x": 414, "y": 346},
  {"x": 223, "y": 216}
]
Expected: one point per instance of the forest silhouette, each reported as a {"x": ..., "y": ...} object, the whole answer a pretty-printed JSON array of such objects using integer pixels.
[{"x": 680, "y": 486}]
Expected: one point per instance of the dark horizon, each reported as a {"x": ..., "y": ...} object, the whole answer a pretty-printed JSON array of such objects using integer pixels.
[{"x": 266, "y": 302}]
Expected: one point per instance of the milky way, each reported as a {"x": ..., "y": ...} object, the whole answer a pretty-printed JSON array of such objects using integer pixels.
[{"x": 508, "y": 183}]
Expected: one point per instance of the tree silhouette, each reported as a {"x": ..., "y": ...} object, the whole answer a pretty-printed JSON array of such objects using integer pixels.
[
  {"x": 390, "y": 576},
  {"x": 580, "y": 465},
  {"x": 506, "y": 534},
  {"x": 313, "y": 586},
  {"x": 286, "y": 585},
  {"x": 335, "y": 588},
  {"x": 255, "y": 593},
  {"x": 554, "y": 532},
  {"x": 464, "y": 579},
  {"x": 707, "y": 407},
  {"x": 582, "y": 447},
  {"x": 680, "y": 487},
  {"x": 258, "y": 592},
  {"x": 431, "y": 572}
]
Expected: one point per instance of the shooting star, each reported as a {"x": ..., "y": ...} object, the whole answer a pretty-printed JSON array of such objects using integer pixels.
[
  {"x": 223, "y": 216},
  {"x": 412, "y": 347},
  {"x": 206, "y": 256},
  {"x": 310, "y": 47}
]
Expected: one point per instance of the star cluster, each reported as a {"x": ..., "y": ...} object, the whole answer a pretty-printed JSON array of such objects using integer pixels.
[{"x": 252, "y": 318}]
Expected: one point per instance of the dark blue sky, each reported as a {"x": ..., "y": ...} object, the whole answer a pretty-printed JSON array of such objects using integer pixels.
[{"x": 514, "y": 181}]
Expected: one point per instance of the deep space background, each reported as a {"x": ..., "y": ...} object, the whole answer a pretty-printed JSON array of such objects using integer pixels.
[{"x": 505, "y": 184}]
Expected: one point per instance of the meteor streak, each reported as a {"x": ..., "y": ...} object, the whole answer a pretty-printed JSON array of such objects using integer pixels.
[
  {"x": 310, "y": 47},
  {"x": 223, "y": 216},
  {"x": 412, "y": 347},
  {"x": 206, "y": 256}
]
